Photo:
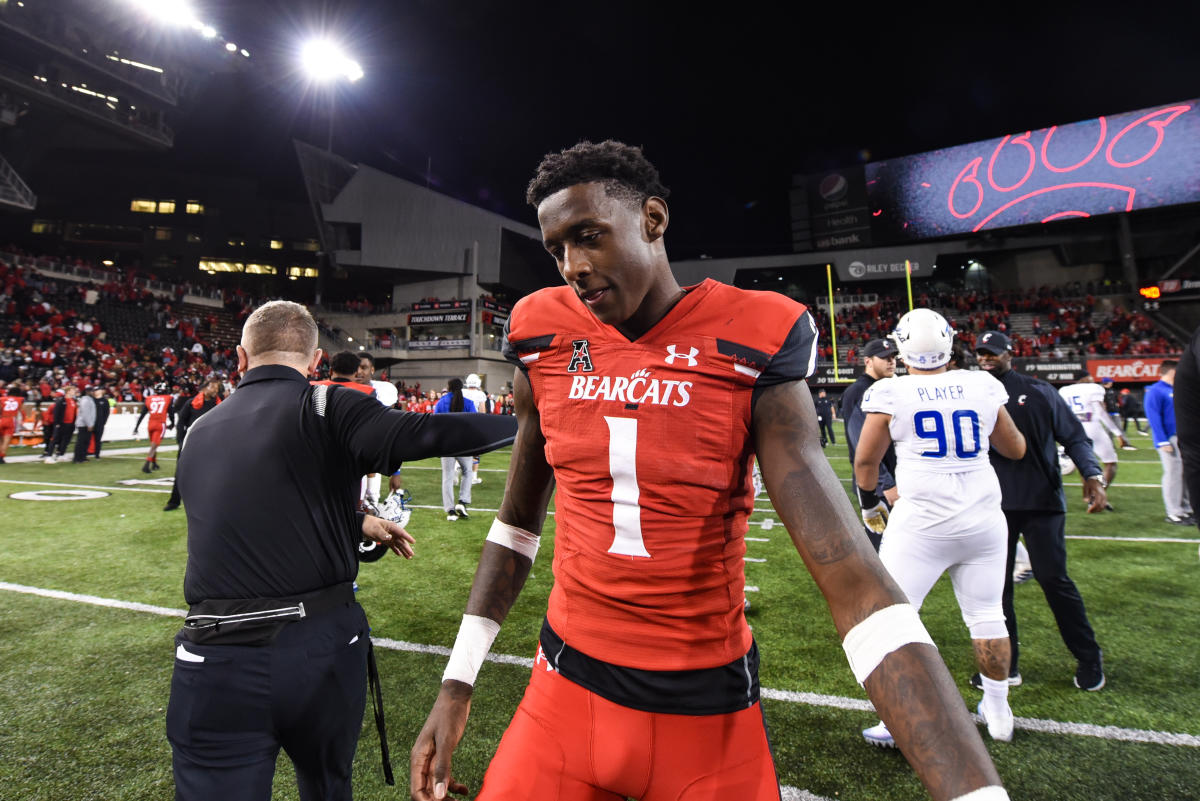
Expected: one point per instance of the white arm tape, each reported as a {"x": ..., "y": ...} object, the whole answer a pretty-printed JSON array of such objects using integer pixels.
[
  {"x": 475, "y": 637},
  {"x": 882, "y": 632},
  {"x": 513, "y": 538},
  {"x": 990, "y": 793}
]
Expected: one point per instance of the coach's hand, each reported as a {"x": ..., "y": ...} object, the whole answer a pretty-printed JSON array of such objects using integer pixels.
[
  {"x": 429, "y": 764},
  {"x": 874, "y": 510},
  {"x": 1094, "y": 494},
  {"x": 390, "y": 534}
]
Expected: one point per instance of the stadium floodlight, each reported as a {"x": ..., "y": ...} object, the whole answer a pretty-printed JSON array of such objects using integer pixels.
[
  {"x": 172, "y": 12},
  {"x": 324, "y": 61},
  {"x": 231, "y": 47},
  {"x": 208, "y": 31}
]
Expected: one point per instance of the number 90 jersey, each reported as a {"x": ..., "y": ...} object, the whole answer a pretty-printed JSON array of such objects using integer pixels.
[
  {"x": 941, "y": 421},
  {"x": 651, "y": 450}
]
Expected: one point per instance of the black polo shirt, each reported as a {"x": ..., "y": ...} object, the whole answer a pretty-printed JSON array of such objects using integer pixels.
[
  {"x": 1187, "y": 414},
  {"x": 853, "y": 418},
  {"x": 1034, "y": 483},
  {"x": 270, "y": 483}
]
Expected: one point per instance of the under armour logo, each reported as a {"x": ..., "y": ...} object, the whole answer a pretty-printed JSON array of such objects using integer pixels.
[
  {"x": 690, "y": 355},
  {"x": 580, "y": 358}
]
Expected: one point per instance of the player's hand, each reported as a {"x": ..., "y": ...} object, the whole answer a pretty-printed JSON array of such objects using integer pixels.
[
  {"x": 874, "y": 510},
  {"x": 1167, "y": 449},
  {"x": 1095, "y": 495},
  {"x": 891, "y": 495},
  {"x": 429, "y": 764},
  {"x": 390, "y": 534}
]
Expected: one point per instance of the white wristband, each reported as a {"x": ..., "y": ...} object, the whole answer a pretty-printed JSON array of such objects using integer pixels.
[
  {"x": 992, "y": 792},
  {"x": 475, "y": 637},
  {"x": 884, "y": 631},
  {"x": 513, "y": 538}
]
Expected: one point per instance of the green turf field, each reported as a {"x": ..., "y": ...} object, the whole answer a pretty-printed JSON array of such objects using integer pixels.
[{"x": 83, "y": 687}]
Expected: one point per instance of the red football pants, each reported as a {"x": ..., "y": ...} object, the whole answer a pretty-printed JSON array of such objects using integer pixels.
[{"x": 566, "y": 743}]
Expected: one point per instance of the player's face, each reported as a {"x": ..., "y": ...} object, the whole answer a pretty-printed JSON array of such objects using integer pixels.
[
  {"x": 882, "y": 366},
  {"x": 365, "y": 370},
  {"x": 993, "y": 362},
  {"x": 610, "y": 253}
]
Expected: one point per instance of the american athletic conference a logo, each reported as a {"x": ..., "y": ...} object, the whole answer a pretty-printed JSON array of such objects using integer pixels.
[
  {"x": 581, "y": 359},
  {"x": 673, "y": 354}
]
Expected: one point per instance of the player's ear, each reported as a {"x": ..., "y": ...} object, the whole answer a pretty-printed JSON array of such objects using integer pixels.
[{"x": 655, "y": 218}]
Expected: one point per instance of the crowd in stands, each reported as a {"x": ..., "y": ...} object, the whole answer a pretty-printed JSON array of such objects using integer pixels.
[
  {"x": 1064, "y": 322},
  {"x": 116, "y": 334},
  {"x": 128, "y": 331}
]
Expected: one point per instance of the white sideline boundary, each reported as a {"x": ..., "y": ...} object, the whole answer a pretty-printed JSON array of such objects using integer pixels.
[
  {"x": 109, "y": 488},
  {"x": 786, "y": 696}
]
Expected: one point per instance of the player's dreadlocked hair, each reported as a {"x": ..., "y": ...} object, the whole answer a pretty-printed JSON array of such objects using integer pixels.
[{"x": 626, "y": 174}]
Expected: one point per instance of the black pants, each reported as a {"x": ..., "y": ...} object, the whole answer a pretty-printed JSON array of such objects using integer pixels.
[
  {"x": 1045, "y": 540},
  {"x": 48, "y": 432},
  {"x": 81, "y": 444},
  {"x": 97, "y": 435},
  {"x": 826, "y": 425},
  {"x": 231, "y": 713},
  {"x": 1125, "y": 418},
  {"x": 62, "y": 438}
]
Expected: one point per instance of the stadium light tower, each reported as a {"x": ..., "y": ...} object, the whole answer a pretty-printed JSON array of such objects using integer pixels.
[{"x": 325, "y": 63}]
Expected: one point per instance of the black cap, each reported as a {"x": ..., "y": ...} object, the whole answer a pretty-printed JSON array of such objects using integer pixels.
[
  {"x": 993, "y": 342},
  {"x": 880, "y": 348}
]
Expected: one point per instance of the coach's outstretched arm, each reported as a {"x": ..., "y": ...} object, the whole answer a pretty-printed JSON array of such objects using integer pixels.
[
  {"x": 504, "y": 565},
  {"x": 889, "y": 650}
]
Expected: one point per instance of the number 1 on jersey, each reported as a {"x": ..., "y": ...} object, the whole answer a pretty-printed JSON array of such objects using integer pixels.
[{"x": 622, "y": 466}]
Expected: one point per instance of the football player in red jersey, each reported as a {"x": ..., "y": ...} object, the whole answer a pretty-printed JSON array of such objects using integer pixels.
[
  {"x": 162, "y": 418},
  {"x": 644, "y": 402},
  {"x": 12, "y": 405}
]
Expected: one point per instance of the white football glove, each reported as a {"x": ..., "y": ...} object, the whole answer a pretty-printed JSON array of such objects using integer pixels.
[{"x": 874, "y": 510}]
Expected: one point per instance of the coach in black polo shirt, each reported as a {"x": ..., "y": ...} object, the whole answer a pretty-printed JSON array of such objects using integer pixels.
[
  {"x": 1034, "y": 503},
  {"x": 880, "y": 357},
  {"x": 274, "y": 652}
]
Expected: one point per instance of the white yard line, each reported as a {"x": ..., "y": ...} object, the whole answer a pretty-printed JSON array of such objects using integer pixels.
[
  {"x": 83, "y": 486},
  {"x": 551, "y": 513},
  {"x": 787, "y": 696}
]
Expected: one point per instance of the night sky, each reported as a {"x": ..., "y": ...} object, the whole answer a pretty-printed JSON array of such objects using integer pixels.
[{"x": 727, "y": 104}]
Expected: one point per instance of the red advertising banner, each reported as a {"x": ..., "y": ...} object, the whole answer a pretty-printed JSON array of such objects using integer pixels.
[{"x": 1126, "y": 369}]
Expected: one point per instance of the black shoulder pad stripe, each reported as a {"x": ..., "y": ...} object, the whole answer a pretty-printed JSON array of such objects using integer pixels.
[
  {"x": 530, "y": 345},
  {"x": 743, "y": 354}
]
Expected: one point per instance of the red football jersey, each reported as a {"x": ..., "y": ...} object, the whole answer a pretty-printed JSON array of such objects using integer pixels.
[
  {"x": 159, "y": 406},
  {"x": 10, "y": 406},
  {"x": 651, "y": 449}
]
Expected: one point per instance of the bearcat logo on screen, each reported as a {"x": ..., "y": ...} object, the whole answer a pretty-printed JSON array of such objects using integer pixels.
[{"x": 1141, "y": 159}]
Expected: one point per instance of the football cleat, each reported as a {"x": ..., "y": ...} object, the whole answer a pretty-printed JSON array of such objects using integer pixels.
[
  {"x": 1090, "y": 675},
  {"x": 461, "y": 510},
  {"x": 879, "y": 736},
  {"x": 451, "y": 516},
  {"x": 146, "y": 466},
  {"x": 1000, "y": 727}
]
